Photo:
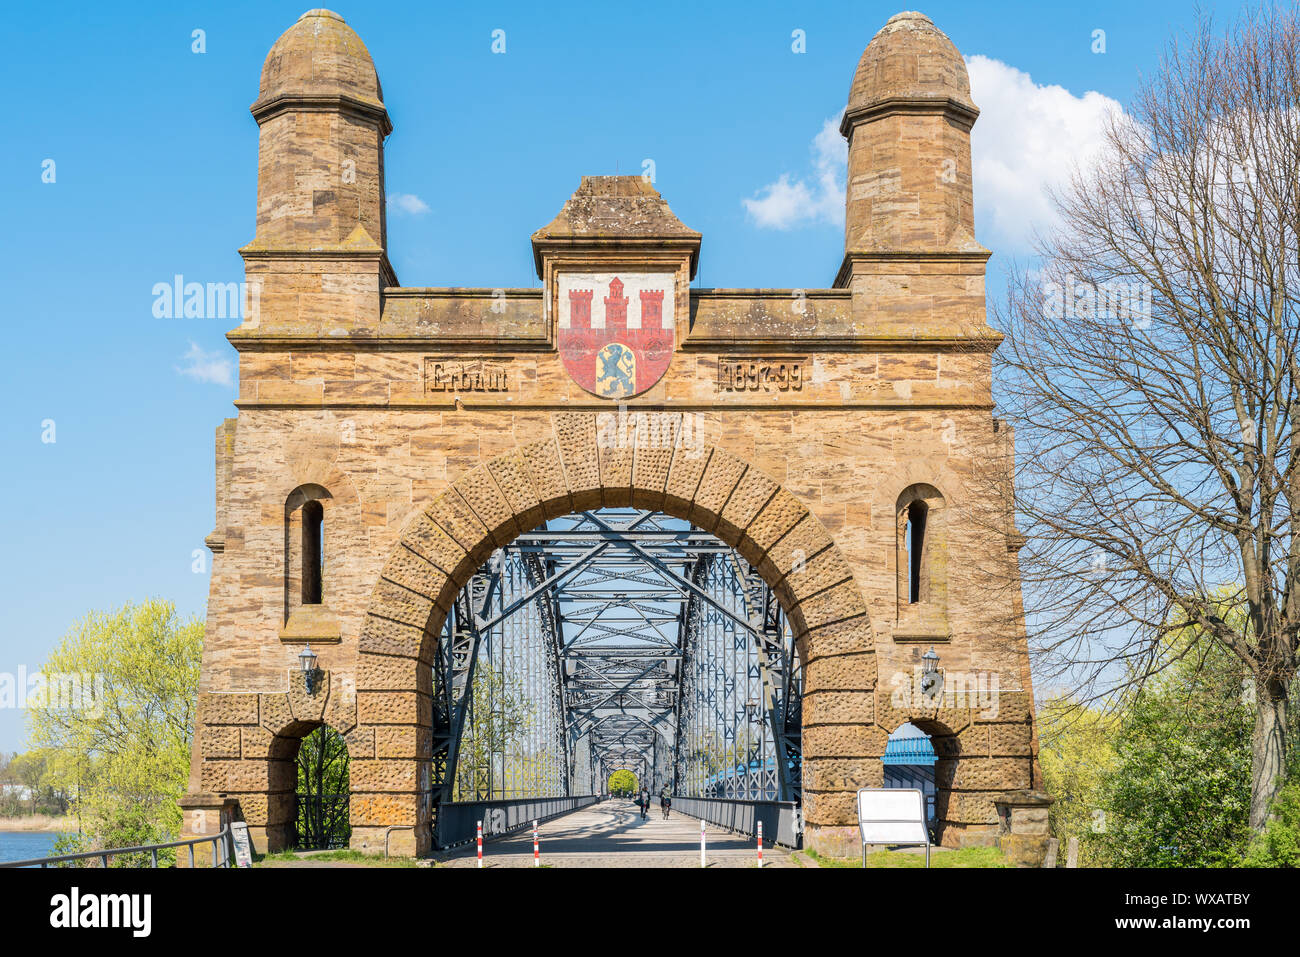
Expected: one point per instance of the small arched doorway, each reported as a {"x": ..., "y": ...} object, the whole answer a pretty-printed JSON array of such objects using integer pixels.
[
  {"x": 909, "y": 761},
  {"x": 322, "y": 791},
  {"x": 310, "y": 799}
]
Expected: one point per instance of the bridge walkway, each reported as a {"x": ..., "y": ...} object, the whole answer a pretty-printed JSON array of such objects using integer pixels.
[{"x": 612, "y": 834}]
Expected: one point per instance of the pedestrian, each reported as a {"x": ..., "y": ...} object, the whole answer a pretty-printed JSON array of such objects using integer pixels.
[{"x": 644, "y": 800}]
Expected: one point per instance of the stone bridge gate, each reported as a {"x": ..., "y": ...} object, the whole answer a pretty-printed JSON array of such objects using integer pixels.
[{"x": 841, "y": 439}]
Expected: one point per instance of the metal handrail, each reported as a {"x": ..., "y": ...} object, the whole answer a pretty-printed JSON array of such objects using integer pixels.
[
  {"x": 218, "y": 860},
  {"x": 457, "y": 819},
  {"x": 783, "y": 820}
]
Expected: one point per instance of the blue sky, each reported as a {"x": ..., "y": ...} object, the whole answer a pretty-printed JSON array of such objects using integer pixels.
[{"x": 155, "y": 174}]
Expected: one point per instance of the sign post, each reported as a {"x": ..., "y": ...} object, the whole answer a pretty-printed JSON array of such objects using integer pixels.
[
  {"x": 243, "y": 845},
  {"x": 892, "y": 816}
]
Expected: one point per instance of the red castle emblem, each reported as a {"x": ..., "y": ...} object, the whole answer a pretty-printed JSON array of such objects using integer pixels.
[{"x": 616, "y": 345}]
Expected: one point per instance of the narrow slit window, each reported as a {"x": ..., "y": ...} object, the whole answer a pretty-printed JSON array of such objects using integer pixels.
[
  {"x": 915, "y": 550},
  {"x": 313, "y": 552}
]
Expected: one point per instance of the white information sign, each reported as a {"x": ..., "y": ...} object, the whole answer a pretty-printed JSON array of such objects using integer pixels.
[
  {"x": 243, "y": 846},
  {"x": 892, "y": 816}
]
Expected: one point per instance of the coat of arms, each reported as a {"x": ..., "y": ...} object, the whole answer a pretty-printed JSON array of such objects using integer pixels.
[{"x": 615, "y": 332}]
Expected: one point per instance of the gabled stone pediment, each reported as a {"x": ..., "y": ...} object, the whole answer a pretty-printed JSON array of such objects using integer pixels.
[{"x": 615, "y": 212}]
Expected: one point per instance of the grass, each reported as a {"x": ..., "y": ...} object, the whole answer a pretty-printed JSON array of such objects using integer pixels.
[
  {"x": 965, "y": 857},
  {"x": 342, "y": 856}
]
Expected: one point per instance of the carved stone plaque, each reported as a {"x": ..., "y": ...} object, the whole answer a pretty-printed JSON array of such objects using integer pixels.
[
  {"x": 453, "y": 374},
  {"x": 757, "y": 374}
]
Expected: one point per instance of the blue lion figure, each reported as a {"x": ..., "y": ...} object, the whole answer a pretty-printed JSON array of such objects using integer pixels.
[{"x": 615, "y": 370}]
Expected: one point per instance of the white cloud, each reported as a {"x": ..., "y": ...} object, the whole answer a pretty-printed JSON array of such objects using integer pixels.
[
  {"x": 795, "y": 202},
  {"x": 207, "y": 366},
  {"x": 407, "y": 203},
  {"x": 1027, "y": 141}
]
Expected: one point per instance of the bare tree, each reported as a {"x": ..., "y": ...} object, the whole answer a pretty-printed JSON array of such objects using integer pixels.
[{"x": 1150, "y": 369}]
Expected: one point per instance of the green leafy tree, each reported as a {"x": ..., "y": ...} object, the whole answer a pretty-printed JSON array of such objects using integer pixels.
[
  {"x": 622, "y": 782},
  {"x": 498, "y": 716},
  {"x": 28, "y": 771},
  {"x": 1179, "y": 791},
  {"x": 1279, "y": 844},
  {"x": 10, "y": 806},
  {"x": 323, "y": 790},
  {"x": 1076, "y": 753},
  {"x": 122, "y": 751}
]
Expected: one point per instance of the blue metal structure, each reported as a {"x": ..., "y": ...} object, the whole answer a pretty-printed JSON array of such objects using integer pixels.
[
  {"x": 608, "y": 639},
  {"x": 909, "y": 761}
]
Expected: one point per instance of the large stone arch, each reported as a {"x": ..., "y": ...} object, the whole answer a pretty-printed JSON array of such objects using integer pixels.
[{"x": 573, "y": 468}]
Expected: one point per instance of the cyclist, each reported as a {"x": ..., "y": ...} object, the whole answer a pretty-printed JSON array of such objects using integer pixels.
[{"x": 665, "y": 801}]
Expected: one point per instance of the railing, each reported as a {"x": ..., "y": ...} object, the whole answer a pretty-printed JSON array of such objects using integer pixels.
[
  {"x": 220, "y": 852},
  {"x": 458, "y": 821},
  {"x": 781, "y": 822},
  {"x": 322, "y": 822}
]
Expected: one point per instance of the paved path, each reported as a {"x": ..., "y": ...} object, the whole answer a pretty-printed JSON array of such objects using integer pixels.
[{"x": 612, "y": 834}]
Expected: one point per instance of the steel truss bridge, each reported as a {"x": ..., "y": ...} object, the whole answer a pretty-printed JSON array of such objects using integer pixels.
[{"x": 606, "y": 640}]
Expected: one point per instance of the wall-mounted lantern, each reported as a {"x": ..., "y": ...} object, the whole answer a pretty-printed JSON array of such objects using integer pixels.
[
  {"x": 931, "y": 676},
  {"x": 307, "y": 660}
]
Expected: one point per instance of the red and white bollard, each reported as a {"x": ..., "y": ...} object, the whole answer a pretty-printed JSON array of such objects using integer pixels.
[
  {"x": 480, "y": 843},
  {"x": 702, "y": 861},
  {"x": 537, "y": 848},
  {"x": 760, "y": 843}
]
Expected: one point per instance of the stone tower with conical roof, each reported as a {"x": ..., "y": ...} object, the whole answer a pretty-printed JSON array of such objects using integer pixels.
[
  {"x": 320, "y": 179},
  {"x": 910, "y": 254}
]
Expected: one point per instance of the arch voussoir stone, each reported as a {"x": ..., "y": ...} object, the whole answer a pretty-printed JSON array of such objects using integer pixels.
[
  {"x": 415, "y": 573},
  {"x": 383, "y": 636},
  {"x": 575, "y": 435},
  {"x": 657, "y": 436},
  {"x": 489, "y": 505},
  {"x": 793, "y": 550},
  {"x": 458, "y": 520},
  {"x": 398, "y": 603},
  {"x": 430, "y": 541},
  {"x": 615, "y": 453},
  {"x": 775, "y": 519},
  {"x": 805, "y": 579},
  {"x": 516, "y": 484},
  {"x": 719, "y": 480},
  {"x": 750, "y": 496},
  {"x": 834, "y": 604},
  {"x": 848, "y": 636},
  {"x": 684, "y": 476},
  {"x": 545, "y": 468}
]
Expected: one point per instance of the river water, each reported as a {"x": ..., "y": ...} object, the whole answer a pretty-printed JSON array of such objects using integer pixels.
[{"x": 20, "y": 845}]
